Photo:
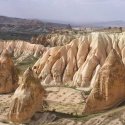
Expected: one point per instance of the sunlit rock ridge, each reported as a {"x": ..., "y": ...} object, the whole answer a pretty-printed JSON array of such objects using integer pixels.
[{"x": 78, "y": 63}]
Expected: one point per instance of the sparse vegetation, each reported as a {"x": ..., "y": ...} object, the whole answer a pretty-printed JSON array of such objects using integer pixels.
[{"x": 24, "y": 64}]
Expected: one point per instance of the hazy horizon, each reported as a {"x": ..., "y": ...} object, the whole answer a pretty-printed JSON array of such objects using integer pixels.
[{"x": 71, "y": 11}]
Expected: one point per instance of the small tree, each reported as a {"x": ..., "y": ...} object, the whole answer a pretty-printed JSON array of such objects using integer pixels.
[
  {"x": 109, "y": 27},
  {"x": 69, "y": 27},
  {"x": 120, "y": 29}
]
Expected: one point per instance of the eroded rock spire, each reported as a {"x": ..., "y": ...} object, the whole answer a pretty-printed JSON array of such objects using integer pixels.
[
  {"x": 27, "y": 99},
  {"x": 109, "y": 89}
]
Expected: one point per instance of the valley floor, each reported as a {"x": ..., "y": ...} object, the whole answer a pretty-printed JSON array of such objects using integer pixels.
[{"x": 63, "y": 109}]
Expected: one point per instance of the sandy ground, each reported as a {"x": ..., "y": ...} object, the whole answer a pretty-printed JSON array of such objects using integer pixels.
[
  {"x": 5, "y": 101},
  {"x": 65, "y": 101},
  {"x": 64, "y": 108}
]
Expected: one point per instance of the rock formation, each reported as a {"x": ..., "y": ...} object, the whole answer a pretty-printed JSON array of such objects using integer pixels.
[
  {"x": 8, "y": 74},
  {"x": 109, "y": 89},
  {"x": 74, "y": 63},
  {"x": 27, "y": 99},
  {"x": 21, "y": 49},
  {"x": 78, "y": 63}
]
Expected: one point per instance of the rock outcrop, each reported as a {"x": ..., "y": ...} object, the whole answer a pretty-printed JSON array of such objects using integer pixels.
[
  {"x": 21, "y": 50},
  {"x": 109, "y": 89},
  {"x": 27, "y": 99},
  {"x": 76, "y": 63},
  {"x": 8, "y": 74}
]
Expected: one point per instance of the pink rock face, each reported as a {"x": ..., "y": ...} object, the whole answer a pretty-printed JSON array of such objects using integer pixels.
[
  {"x": 21, "y": 48},
  {"x": 8, "y": 74},
  {"x": 79, "y": 60},
  {"x": 76, "y": 62},
  {"x": 27, "y": 99},
  {"x": 109, "y": 88}
]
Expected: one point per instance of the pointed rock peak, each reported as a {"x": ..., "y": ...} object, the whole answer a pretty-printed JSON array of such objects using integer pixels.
[
  {"x": 5, "y": 53},
  {"x": 113, "y": 53},
  {"x": 27, "y": 99},
  {"x": 112, "y": 58},
  {"x": 30, "y": 77},
  {"x": 109, "y": 89}
]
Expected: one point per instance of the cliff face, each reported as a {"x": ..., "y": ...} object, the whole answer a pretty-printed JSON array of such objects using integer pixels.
[{"x": 78, "y": 63}]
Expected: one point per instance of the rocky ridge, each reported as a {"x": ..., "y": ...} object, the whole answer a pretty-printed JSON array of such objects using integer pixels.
[
  {"x": 22, "y": 51},
  {"x": 78, "y": 63}
]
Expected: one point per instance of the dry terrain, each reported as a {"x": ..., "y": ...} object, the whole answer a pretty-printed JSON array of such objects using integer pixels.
[{"x": 73, "y": 80}]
